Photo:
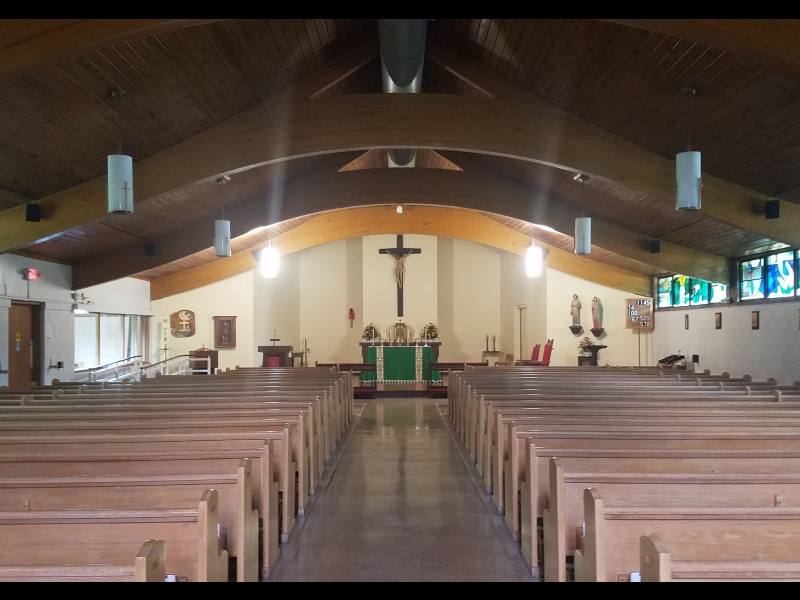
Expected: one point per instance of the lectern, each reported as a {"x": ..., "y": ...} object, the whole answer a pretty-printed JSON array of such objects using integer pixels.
[
  {"x": 278, "y": 354},
  {"x": 205, "y": 353}
]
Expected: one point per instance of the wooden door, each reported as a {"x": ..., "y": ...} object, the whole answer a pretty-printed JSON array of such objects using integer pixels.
[{"x": 24, "y": 345}]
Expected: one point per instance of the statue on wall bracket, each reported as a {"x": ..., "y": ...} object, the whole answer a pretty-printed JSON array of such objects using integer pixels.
[
  {"x": 597, "y": 317},
  {"x": 575, "y": 311},
  {"x": 181, "y": 324}
]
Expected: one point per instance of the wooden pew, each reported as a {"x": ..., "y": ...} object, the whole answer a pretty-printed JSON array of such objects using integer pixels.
[
  {"x": 148, "y": 566},
  {"x": 41, "y": 538},
  {"x": 563, "y": 518},
  {"x": 293, "y": 460},
  {"x": 235, "y": 495},
  {"x": 656, "y": 564},
  {"x": 611, "y": 546},
  {"x": 180, "y": 465},
  {"x": 447, "y": 368}
]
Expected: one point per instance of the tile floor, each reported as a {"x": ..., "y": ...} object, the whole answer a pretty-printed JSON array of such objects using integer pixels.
[{"x": 401, "y": 505}]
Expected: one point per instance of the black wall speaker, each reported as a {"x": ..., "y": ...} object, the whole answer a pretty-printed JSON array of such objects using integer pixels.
[
  {"x": 772, "y": 209},
  {"x": 655, "y": 246},
  {"x": 149, "y": 249},
  {"x": 33, "y": 212}
]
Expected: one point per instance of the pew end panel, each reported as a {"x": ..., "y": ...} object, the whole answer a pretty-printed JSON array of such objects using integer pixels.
[
  {"x": 212, "y": 561},
  {"x": 149, "y": 566},
  {"x": 589, "y": 560},
  {"x": 654, "y": 559}
]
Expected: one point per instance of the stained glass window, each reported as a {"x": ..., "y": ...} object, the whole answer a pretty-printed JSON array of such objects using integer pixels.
[
  {"x": 752, "y": 279},
  {"x": 681, "y": 290},
  {"x": 780, "y": 275},
  {"x": 699, "y": 293},
  {"x": 719, "y": 292},
  {"x": 665, "y": 292}
]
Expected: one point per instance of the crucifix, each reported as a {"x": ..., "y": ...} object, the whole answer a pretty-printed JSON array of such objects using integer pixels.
[{"x": 399, "y": 254}]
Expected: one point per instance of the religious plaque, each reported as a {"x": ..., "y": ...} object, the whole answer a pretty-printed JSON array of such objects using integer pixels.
[
  {"x": 181, "y": 324},
  {"x": 639, "y": 313},
  {"x": 225, "y": 332}
]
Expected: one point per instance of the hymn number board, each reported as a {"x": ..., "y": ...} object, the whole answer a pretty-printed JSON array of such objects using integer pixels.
[{"x": 639, "y": 313}]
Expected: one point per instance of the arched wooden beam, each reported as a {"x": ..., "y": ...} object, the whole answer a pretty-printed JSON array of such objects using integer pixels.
[
  {"x": 332, "y": 191},
  {"x": 31, "y": 43},
  {"x": 427, "y": 220},
  {"x": 772, "y": 41},
  {"x": 270, "y": 134}
]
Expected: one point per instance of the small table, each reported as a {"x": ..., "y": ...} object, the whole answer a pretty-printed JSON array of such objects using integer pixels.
[
  {"x": 592, "y": 359},
  {"x": 496, "y": 354}
]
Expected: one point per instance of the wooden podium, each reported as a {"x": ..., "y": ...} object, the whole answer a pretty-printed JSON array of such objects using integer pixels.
[
  {"x": 279, "y": 352},
  {"x": 205, "y": 353}
]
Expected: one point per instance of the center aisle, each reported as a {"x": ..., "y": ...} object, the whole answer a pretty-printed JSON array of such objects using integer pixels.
[{"x": 401, "y": 506}]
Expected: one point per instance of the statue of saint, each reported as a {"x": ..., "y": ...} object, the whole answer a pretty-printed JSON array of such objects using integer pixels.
[
  {"x": 575, "y": 310},
  {"x": 597, "y": 313}
]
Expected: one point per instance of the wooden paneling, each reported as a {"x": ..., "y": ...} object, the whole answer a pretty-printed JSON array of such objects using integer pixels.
[
  {"x": 467, "y": 225},
  {"x": 409, "y": 120}
]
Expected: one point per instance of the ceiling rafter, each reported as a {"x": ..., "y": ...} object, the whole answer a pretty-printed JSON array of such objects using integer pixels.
[
  {"x": 432, "y": 187},
  {"x": 375, "y": 220}
]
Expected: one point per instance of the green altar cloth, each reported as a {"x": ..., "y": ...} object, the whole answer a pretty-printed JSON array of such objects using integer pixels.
[{"x": 400, "y": 364}]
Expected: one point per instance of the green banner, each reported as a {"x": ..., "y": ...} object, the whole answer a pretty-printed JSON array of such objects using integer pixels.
[{"x": 399, "y": 364}]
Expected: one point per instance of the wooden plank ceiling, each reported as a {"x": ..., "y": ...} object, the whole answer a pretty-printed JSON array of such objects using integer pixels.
[{"x": 58, "y": 122}]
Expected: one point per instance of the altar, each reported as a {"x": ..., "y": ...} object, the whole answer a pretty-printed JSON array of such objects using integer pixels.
[{"x": 399, "y": 364}]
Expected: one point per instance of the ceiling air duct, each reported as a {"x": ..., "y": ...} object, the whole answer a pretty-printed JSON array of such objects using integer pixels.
[{"x": 402, "y": 57}]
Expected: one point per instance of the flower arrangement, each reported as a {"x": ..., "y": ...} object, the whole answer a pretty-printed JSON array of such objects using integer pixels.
[
  {"x": 429, "y": 332},
  {"x": 371, "y": 332},
  {"x": 584, "y": 344}
]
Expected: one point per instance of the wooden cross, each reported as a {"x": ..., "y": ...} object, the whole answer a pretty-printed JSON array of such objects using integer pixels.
[{"x": 400, "y": 253}]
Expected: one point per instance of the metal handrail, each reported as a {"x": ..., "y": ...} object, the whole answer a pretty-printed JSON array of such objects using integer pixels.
[
  {"x": 130, "y": 366},
  {"x": 182, "y": 362},
  {"x": 101, "y": 367}
]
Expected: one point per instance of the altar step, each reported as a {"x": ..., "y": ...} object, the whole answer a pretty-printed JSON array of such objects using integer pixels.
[{"x": 393, "y": 390}]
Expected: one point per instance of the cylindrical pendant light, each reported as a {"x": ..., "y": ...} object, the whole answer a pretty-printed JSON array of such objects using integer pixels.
[
  {"x": 270, "y": 261},
  {"x": 583, "y": 235},
  {"x": 222, "y": 238},
  {"x": 120, "y": 183},
  {"x": 533, "y": 261},
  {"x": 688, "y": 180}
]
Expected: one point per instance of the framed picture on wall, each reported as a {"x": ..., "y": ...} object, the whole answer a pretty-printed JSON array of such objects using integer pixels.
[
  {"x": 225, "y": 332},
  {"x": 686, "y": 321},
  {"x": 754, "y": 320},
  {"x": 718, "y": 320}
]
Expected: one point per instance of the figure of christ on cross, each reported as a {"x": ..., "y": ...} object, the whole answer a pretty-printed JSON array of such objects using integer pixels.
[{"x": 399, "y": 254}]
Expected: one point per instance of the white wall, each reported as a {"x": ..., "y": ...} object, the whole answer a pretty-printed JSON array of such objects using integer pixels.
[
  {"x": 276, "y": 307},
  {"x": 323, "y": 303},
  {"x": 231, "y": 297},
  {"x": 623, "y": 344},
  {"x": 127, "y": 296},
  {"x": 771, "y": 351},
  {"x": 476, "y": 300},
  {"x": 517, "y": 289}
]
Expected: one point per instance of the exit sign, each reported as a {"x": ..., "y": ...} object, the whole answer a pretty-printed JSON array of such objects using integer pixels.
[{"x": 31, "y": 273}]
